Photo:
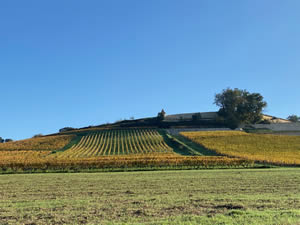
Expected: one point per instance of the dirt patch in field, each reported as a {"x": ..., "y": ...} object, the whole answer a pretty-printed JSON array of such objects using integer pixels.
[{"x": 230, "y": 207}]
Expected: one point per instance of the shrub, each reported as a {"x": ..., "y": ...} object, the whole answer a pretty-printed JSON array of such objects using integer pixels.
[{"x": 66, "y": 129}]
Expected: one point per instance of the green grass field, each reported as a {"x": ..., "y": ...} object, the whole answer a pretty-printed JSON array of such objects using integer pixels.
[{"x": 256, "y": 196}]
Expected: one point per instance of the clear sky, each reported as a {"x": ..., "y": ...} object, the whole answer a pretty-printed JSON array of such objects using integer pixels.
[{"x": 79, "y": 63}]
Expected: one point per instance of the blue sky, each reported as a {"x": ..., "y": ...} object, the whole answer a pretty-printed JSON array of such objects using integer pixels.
[{"x": 79, "y": 63}]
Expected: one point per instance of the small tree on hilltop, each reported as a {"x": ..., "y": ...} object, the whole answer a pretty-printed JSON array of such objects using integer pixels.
[
  {"x": 293, "y": 118},
  {"x": 1, "y": 140},
  {"x": 66, "y": 129},
  {"x": 239, "y": 107},
  {"x": 161, "y": 115}
]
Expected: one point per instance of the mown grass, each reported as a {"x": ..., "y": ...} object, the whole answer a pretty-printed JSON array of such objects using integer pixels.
[
  {"x": 196, "y": 147},
  {"x": 265, "y": 148},
  {"x": 256, "y": 196},
  {"x": 178, "y": 146}
]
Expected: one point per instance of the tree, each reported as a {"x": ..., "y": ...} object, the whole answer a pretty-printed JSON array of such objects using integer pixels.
[
  {"x": 1, "y": 140},
  {"x": 161, "y": 115},
  {"x": 38, "y": 135},
  {"x": 293, "y": 118},
  {"x": 239, "y": 107},
  {"x": 8, "y": 140}
]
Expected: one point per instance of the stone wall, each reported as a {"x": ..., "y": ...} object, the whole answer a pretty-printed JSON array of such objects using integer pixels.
[
  {"x": 189, "y": 116},
  {"x": 176, "y": 131},
  {"x": 279, "y": 126}
]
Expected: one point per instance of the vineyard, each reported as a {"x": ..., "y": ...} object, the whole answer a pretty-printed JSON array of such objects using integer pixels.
[
  {"x": 104, "y": 150},
  {"x": 146, "y": 148},
  {"x": 117, "y": 142},
  {"x": 49, "y": 143},
  {"x": 36, "y": 162},
  {"x": 276, "y": 149}
]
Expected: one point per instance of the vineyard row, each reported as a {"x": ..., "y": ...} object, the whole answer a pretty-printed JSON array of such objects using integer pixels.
[{"x": 118, "y": 142}]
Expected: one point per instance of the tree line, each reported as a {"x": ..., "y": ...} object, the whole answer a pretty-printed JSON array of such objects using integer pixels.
[{"x": 2, "y": 140}]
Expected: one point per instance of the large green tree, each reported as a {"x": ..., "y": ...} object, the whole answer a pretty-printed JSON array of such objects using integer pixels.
[
  {"x": 293, "y": 118},
  {"x": 239, "y": 107}
]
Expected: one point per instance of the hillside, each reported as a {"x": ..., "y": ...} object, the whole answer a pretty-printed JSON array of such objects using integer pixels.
[
  {"x": 118, "y": 142},
  {"x": 147, "y": 144},
  {"x": 108, "y": 149}
]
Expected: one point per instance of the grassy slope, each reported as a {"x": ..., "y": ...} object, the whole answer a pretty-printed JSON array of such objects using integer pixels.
[
  {"x": 169, "y": 197},
  {"x": 196, "y": 147}
]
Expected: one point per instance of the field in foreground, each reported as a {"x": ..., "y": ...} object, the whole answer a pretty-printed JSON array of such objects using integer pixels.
[
  {"x": 256, "y": 196},
  {"x": 266, "y": 148}
]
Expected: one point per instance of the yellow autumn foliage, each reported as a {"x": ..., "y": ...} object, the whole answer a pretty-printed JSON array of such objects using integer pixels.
[
  {"x": 47, "y": 143},
  {"x": 28, "y": 160},
  {"x": 269, "y": 148},
  {"x": 118, "y": 142}
]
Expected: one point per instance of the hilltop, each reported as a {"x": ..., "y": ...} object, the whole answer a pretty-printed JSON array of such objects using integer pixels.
[{"x": 201, "y": 120}]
